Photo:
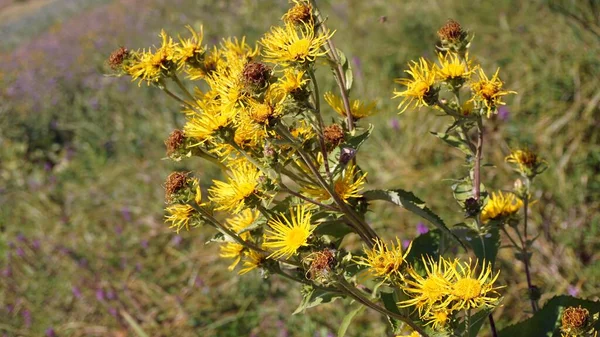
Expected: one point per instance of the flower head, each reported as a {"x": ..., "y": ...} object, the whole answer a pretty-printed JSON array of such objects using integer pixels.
[
  {"x": 385, "y": 261},
  {"x": 500, "y": 205},
  {"x": 438, "y": 319},
  {"x": 240, "y": 191},
  {"x": 420, "y": 89},
  {"x": 290, "y": 45},
  {"x": 346, "y": 187},
  {"x": 358, "y": 109},
  {"x": 180, "y": 216},
  {"x": 238, "y": 223},
  {"x": 429, "y": 292},
  {"x": 287, "y": 235},
  {"x": 453, "y": 70},
  {"x": 471, "y": 291},
  {"x": 299, "y": 14},
  {"x": 252, "y": 260},
  {"x": 489, "y": 91},
  {"x": 528, "y": 162},
  {"x": 190, "y": 51},
  {"x": 152, "y": 67}
]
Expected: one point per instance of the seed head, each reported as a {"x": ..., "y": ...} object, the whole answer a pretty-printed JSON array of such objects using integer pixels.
[
  {"x": 116, "y": 58},
  {"x": 575, "y": 317},
  {"x": 174, "y": 183},
  {"x": 299, "y": 14},
  {"x": 256, "y": 74},
  {"x": 451, "y": 31},
  {"x": 175, "y": 141},
  {"x": 334, "y": 135}
]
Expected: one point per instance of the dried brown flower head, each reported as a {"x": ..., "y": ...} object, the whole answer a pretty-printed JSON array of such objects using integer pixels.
[
  {"x": 116, "y": 58},
  {"x": 256, "y": 74},
  {"x": 175, "y": 182},
  {"x": 300, "y": 13},
  {"x": 334, "y": 135},
  {"x": 451, "y": 31},
  {"x": 320, "y": 264},
  {"x": 175, "y": 141},
  {"x": 574, "y": 317}
]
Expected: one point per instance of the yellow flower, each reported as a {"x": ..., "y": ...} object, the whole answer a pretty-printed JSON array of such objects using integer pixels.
[
  {"x": 241, "y": 189},
  {"x": 438, "y": 319},
  {"x": 152, "y": 67},
  {"x": 453, "y": 68},
  {"x": 470, "y": 291},
  {"x": 252, "y": 260},
  {"x": 293, "y": 81},
  {"x": 287, "y": 235},
  {"x": 489, "y": 91},
  {"x": 429, "y": 292},
  {"x": 207, "y": 126},
  {"x": 385, "y": 261},
  {"x": 419, "y": 89},
  {"x": 190, "y": 50},
  {"x": 238, "y": 223},
  {"x": 211, "y": 62},
  {"x": 358, "y": 109},
  {"x": 291, "y": 46},
  {"x": 180, "y": 216},
  {"x": 528, "y": 162},
  {"x": 500, "y": 205},
  {"x": 347, "y": 186},
  {"x": 300, "y": 13}
]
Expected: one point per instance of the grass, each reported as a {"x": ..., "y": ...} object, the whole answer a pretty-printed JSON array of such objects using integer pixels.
[{"x": 84, "y": 251}]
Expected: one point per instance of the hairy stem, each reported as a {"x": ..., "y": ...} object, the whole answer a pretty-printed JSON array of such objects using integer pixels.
[{"x": 477, "y": 168}]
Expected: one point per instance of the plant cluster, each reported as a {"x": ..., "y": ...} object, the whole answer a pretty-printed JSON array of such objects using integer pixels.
[{"x": 293, "y": 189}]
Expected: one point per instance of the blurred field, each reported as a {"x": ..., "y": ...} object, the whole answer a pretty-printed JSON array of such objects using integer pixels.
[{"x": 84, "y": 251}]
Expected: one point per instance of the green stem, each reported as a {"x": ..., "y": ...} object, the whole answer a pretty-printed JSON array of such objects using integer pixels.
[
  {"x": 321, "y": 124},
  {"x": 526, "y": 249},
  {"x": 312, "y": 201},
  {"x": 183, "y": 88}
]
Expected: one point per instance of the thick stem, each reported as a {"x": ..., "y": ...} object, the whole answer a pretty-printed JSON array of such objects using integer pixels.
[
  {"x": 338, "y": 69},
  {"x": 477, "y": 168},
  {"x": 321, "y": 124},
  {"x": 525, "y": 250},
  {"x": 493, "y": 325},
  {"x": 312, "y": 201}
]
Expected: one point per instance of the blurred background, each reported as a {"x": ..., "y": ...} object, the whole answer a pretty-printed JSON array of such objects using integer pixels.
[{"x": 83, "y": 247}]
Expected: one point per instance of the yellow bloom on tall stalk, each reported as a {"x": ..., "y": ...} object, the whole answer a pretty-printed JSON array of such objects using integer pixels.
[
  {"x": 294, "y": 46},
  {"x": 419, "y": 88},
  {"x": 151, "y": 67},
  {"x": 207, "y": 126},
  {"x": 190, "y": 51},
  {"x": 358, "y": 109},
  {"x": 500, "y": 205},
  {"x": 346, "y": 187},
  {"x": 180, "y": 216},
  {"x": 288, "y": 235},
  {"x": 241, "y": 190},
  {"x": 428, "y": 292},
  {"x": 453, "y": 69},
  {"x": 385, "y": 261},
  {"x": 238, "y": 223},
  {"x": 211, "y": 62},
  {"x": 469, "y": 291},
  {"x": 489, "y": 91}
]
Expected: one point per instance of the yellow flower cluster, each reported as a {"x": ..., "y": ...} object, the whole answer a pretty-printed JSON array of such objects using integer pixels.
[
  {"x": 453, "y": 71},
  {"x": 447, "y": 287}
]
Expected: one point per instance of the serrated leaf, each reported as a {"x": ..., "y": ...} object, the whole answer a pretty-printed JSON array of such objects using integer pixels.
[
  {"x": 546, "y": 321},
  {"x": 454, "y": 141},
  {"x": 335, "y": 228},
  {"x": 313, "y": 298},
  {"x": 348, "y": 319},
  {"x": 410, "y": 202}
]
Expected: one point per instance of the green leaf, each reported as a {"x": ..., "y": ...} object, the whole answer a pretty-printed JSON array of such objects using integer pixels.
[
  {"x": 477, "y": 321},
  {"x": 546, "y": 322},
  {"x": 454, "y": 141},
  {"x": 313, "y": 297},
  {"x": 347, "y": 68},
  {"x": 335, "y": 228},
  {"x": 427, "y": 244},
  {"x": 485, "y": 245},
  {"x": 348, "y": 319},
  {"x": 355, "y": 141},
  {"x": 413, "y": 204}
]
